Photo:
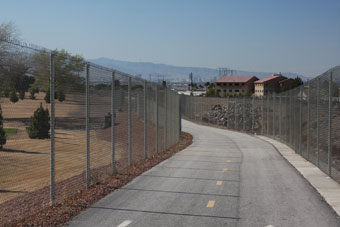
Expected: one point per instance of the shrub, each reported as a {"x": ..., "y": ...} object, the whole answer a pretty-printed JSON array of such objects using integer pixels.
[
  {"x": 13, "y": 97},
  {"x": 22, "y": 95},
  {"x": 39, "y": 124},
  {"x": 33, "y": 91},
  {"x": 32, "y": 94},
  {"x": 47, "y": 96},
  {"x": 6, "y": 93},
  {"x": 61, "y": 96},
  {"x": 217, "y": 94},
  {"x": 2, "y": 131}
]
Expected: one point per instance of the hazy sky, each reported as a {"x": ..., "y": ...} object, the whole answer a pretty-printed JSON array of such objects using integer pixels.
[{"x": 301, "y": 36}]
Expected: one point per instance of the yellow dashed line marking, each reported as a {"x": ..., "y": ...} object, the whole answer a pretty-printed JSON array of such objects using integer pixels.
[
  {"x": 225, "y": 170},
  {"x": 211, "y": 203},
  {"x": 219, "y": 182}
]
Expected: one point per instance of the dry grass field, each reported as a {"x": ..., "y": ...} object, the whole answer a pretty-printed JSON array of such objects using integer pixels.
[{"x": 25, "y": 162}]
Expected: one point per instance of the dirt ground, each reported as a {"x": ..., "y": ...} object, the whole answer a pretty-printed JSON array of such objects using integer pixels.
[
  {"x": 33, "y": 209},
  {"x": 25, "y": 162}
]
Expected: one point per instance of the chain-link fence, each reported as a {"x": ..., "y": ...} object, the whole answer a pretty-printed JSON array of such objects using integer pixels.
[
  {"x": 67, "y": 124},
  {"x": 305, "y": 118}
]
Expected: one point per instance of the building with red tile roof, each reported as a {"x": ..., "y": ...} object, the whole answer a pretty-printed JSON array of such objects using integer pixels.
[
  {"x": 235, "y": 85},
  {"x": 269, "y": 85}
]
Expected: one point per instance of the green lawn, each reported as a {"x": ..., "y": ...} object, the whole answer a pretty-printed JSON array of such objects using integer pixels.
[{"x": 10, "y": 131}]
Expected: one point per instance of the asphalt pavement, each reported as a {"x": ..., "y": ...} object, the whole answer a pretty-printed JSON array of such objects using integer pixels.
[{"x": 224, "y": 178}]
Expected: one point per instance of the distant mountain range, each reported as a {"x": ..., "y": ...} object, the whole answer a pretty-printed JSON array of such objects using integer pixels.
[{"x": 175, "y": 73}]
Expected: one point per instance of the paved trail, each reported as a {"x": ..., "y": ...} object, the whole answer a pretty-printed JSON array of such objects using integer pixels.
[{"x": 223, "y": 179}]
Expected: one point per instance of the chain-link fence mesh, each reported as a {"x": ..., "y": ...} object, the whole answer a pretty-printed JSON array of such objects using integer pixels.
[
  {"x": 305, "y": 118},
  {"x": 99, "y": 121}
]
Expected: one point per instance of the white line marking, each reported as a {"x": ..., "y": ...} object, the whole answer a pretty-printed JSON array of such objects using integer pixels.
[
  {"x": 269, "y": 226},
  {"x": 125, "y": 223}
]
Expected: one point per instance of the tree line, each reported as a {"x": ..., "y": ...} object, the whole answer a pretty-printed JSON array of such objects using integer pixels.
[{"x": 23, "y": 70}]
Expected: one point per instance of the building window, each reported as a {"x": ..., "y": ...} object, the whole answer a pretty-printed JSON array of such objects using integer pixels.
[
  {"x": 230, "y": 90},
  {"x": 218, "y": 90},
  {"x": 225, "y": 90},
  {"x": 237, "y": 90},
  {"x": 242, "y": 84},
  {"x": 237, "y": 84}
]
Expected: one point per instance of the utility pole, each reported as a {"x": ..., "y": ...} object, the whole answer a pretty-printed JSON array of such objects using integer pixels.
[
  {"x": 191, "y": 93},
  {"x": 226, "y": 72}
]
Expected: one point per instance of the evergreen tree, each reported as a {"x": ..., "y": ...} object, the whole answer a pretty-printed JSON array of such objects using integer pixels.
[
  {"x": 32, "y": 94},
  {"x": 39, "y": 124},
  {"x": 13, "y": 97},
  {"x": 217, "y": 94},
  {"x": 47, "y": 96},
  {"x": 61, "y": 96},
  {"x": 2, "y": 131},
  {"x": 22, "y": 94}
]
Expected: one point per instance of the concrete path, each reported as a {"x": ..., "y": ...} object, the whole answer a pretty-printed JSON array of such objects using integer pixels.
[
  {"x": 223, "y": 179},
  {"x": 326, "y": 186}
]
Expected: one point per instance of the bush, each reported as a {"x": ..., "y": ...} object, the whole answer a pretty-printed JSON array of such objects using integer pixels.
[
  {"x": 13, "y": 97},
  {"x": 22, "y": 95},
  {"x": 39, "y": 124},
  {"x": 2, "y": 131},
  {"x": 6, "y": 93},
  {"x": 32, "y": 94},
  {"x": 61, "y": 96},
  {"x": 47, "y": 96},
  {"x": 33, "y": 91}
]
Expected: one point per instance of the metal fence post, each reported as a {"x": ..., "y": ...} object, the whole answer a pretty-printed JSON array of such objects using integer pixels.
[
  {"x": 318, "y": 121},
  {"x": 88, "y": 180},
  {"x": 194, "y": 101},
  {"x": 262, "y": 117},
  {"x": 253, "y": 114},
  {"x": 166, "y": 118},
  {"x": 235, "y": 114},
  {"x": 157, "y": 130},
  {"x": 52, "y": 154},
  {"x": 274, "y": 114},
  {"x": 129, "y": 124},
  {"x": 113, "y": 118},
  {"x": 308, "y": 122},
  {"x": 202, "y": 98},
  {"x": 228, "y": 110},
  {"x": 287, "y": 118},
  {"x": 267, "y": 115},
  {"x": 145, "y": 120},
  {"x": 179, "y": 115},
  {"x": 291, "y": 118},
  {"x": 137, "y": 104},
  {"x": 244, "y": 113},
  {"x": 330, "y": 96},
  {"x": 280, "y": 116},
  {"x": 300, "y": 119}
]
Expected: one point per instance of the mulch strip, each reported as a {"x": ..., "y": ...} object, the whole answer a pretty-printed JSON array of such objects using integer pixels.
[{"x": 62, "y": 212}]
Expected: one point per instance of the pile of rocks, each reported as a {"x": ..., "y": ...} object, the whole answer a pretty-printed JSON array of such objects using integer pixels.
[{"x": 225, "y": 115}]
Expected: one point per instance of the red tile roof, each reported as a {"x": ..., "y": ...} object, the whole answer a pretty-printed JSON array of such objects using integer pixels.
[
  {"x": 235, "y": 79},
  {"x": 268, "y": 78}
]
